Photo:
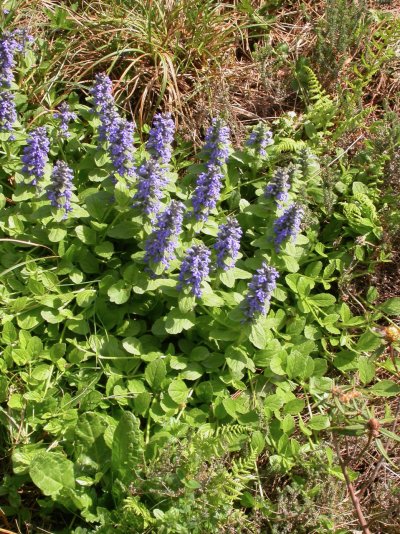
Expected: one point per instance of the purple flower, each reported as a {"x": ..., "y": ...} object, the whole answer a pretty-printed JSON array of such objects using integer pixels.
[
  {"x": 121, "y": 147},
  {"x": 217, "y": 142},
  {"x": 279, "y": 186},
  {"x": 161, "y": 244},
  {"x": 59, "y": 192},
  {"x": 228, "y": 244},
  {"x": 35, "y": 154},
  {"x": 161, "y": 136},
  {"x": 260, "y": 290},
  {"x": 195, "y": 267},
  {"x": 206, "y": 194},
  {"x": 260, "y": 138},
  {"x": 65, "y": 115},
  {"x": 288, "y": 224},
  {"x": 105, "y": 106},
  {"x": 10, "y": 43},
  {"x": 152, "y": 179},
  {"x": 8, "y": 113}
]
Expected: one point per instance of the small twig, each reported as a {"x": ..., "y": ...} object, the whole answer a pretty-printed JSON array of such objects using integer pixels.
[{"x": 350, "y": 489}]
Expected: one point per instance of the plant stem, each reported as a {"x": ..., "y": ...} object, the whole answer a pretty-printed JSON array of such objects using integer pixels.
[{"x": 350, "y": 489}]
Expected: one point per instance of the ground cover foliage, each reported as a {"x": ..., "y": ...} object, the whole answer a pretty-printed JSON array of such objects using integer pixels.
[{"x": 143, "y": 388}]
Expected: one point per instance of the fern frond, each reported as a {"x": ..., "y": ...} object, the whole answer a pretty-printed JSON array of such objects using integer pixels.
[
  {"x": 315, "y": 90},
  {"x": 289, "y": 145},
  {"x": 133, "y": 506}
]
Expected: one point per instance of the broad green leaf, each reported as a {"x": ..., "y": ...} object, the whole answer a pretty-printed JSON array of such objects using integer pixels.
[
  {"x": 322, "y": 299},
  {"x": 9, "y": 334},
  {"x": 368, "y": 341},
  {"x": 366, "y": 370},
  {"x": 155, "y": 373},
  {"x": 228, "y": 278},
  {"x": 132, "y": 345},
  {"x": 51, "y": 472},
  {"x": 127, "y": 448},
  {"x": 291, "y": 264},
  {"x": 294, "y": 406},
  {"x": 318, "y": 422},
  {"x": 391, "y": 306},
  {"x": 86, "y": 298},
  {"x": 273, "y": 402},
  {"x": 259, "y": 334},
  {"x": 86, "y": 234},
  {"x": 119, "y": 293},
  {"x": 57, "y": 234},
  {"x": 385, "y": 388},
  {"x": 89, "y": 427},
  {"x": 178, "y": 391},
  {"x": 177, "y": 321},
  {"x": 211, "y": 299}
]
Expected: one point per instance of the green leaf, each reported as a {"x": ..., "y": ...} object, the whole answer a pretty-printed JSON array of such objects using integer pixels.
[
  {"x": 127, "y": 448},
  {"x": 155, "y": 373},
  {"x": 119, "y": 292},
  {"x": 178, "y": 391},
  {"x": 125, "y": 230},
  {"x": 319, "y": 422},
  {"x": 259, "y": 334},
  {"x": 366, "y": 370},
  {"x": 346, "y": 360},
  {"x": 86, "y": 235},
  {"x": 51, "y": 472},
  {"x": 322, "y": 299},
  {"x": 89, "y": 427},
  {"x": 385, "y": 388},
  {"x": 98, "y": 204},
  {"x": 368, "y": 341},
  {"x": 291, "y": 264},
  {"x": 273, "y": 402},
  {"x": 228, "y": 278},
  {"x": 294, "y": 406},
  {"x": 142, "y": 402},
  {"x": 105, "y": 249},
  {"x": 85, "y": 298},
  {"x": 211, "y": 299},
  {"x": 9, "y": 334},
  {"x": 57, "y": 234},
  {"x": 176, "y": 321},
  {"x": 391, "y": 306},
  {"x": 236, "y": 359},
  {"x": 132, "y": 345}
]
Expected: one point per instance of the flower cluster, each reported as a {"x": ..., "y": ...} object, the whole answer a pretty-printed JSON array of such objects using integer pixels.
[
  {"x": 209, "y": 182},
  {"x": 206, "y": 194},
  {"x": 65, "y": 115},
  {"x": 59, "y": 192},
  {"x": 260, "y": 290},
  {"x": 105, "y": 106},
  {"x": 217, "y": 143},
  {"x": 152, "y": 179},
  {"x": 10, "y": 43},
  {"x": 195, "y": 267},
  {"x": 35, "y": 154},
  {"x": 288, "y": 224},
  {"x": 121, "y": 147},
  {"x": 279, "y": 186},
  {"x": 228, "y": 244},
  {"x": 161, "y": 136},
  {"x": 161, "y": 244},
  {"x": 8, "y": 113},
  {"x": 260, "y": 138}
]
